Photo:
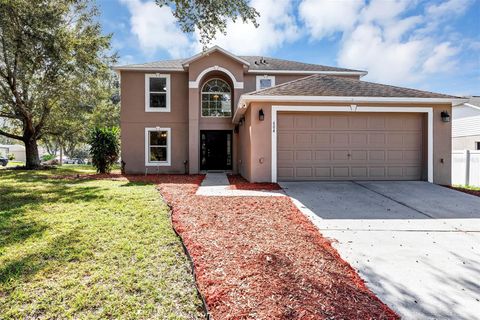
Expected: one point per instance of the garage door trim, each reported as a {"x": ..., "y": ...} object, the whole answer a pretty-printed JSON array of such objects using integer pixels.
[{"x": 353, "y": 108}]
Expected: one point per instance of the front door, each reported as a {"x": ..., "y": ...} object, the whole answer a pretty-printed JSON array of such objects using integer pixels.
[{"x": 216, "y": 150}]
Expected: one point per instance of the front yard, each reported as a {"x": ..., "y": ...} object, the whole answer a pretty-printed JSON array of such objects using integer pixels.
[
  {"x": 83, "y": 246},
  {"x": 89, "y": 249}
]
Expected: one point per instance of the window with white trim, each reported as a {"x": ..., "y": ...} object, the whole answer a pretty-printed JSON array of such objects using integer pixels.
[
  {"x": 157, "y": 93},
  {"x": 157, "y": 146},
  {"x": 265, "y": 81},
  {"x": 216, "y": 99}
]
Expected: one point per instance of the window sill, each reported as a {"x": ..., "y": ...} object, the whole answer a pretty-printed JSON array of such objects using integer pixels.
[
  {"x": 157, "y": 164},
  {"x": 157, "y": 110}
]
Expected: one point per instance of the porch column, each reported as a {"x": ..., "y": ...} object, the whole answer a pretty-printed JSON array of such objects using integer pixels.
[{"x": 193, "y": 131}]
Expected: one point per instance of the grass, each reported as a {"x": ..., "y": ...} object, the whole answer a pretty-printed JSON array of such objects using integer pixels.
[
  {"x": 467, "y": 187},
  {"x": 89, "y": 249},
  {"x": 15, "y": 163}
]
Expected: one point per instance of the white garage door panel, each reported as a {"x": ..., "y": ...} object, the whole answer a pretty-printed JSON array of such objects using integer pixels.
[{"x": 367, "y": 146}]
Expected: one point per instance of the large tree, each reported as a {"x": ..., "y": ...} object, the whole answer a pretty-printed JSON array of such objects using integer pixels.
[
  {"x": 75, "y": 116},
  {"x": 209, "y": 17},
  {"x": 49, "y": 50}
]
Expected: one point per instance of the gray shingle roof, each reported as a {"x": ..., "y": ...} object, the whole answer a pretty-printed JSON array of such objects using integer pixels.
[
  {"x": 268, "y": 63},
  {"x": 322, "y": 85},
  {"x": 175, "y": 64},
  {"x": 256, "y": 63}
]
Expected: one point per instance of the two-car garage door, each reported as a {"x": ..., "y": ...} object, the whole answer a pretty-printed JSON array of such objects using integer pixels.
[{"x": 350, "y": 146}]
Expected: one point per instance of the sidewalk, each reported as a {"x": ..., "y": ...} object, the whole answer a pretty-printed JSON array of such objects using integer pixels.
[{"x": 216, "y": 184}]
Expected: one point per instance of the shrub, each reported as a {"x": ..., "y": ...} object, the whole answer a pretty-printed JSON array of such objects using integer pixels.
[
  {"x": 105, "y": 148},
  {"x": 11, "y": 157},
  {"x": 47, "y": 157}
]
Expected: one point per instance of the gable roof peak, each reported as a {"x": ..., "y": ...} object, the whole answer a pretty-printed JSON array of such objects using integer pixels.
[{"x": 210, "y": 50}]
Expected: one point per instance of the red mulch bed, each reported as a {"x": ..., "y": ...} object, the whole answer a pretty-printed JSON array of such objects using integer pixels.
[
  {"x": 469, "y": 191},
  {"x": 237, "y": 182},
  {"x": 260, "y": 258}
]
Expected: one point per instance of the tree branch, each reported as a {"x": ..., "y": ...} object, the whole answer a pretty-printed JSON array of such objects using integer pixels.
[
  {"x": 8, "y": 115},
  {"x": 10, "y": 135}
]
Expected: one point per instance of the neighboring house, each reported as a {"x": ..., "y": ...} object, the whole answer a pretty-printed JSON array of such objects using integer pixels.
[
  {"x": 3, "y": 151},
  {"x": 17, "y": 150},
  {"x": 466, "y": 125},
  {"x": 276, "y": 120}
]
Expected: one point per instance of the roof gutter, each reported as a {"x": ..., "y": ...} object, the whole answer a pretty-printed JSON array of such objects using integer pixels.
[
  {"x": 472, "y": 106},
  {"x": 245, "y": 100},
  {"x": 153, "y": 69}
]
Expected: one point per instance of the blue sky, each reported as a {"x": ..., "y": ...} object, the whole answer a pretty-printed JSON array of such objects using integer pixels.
[{"x": 429, "y": 45}]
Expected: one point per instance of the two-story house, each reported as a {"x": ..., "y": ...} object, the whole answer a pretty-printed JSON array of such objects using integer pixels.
[{"x": 272, "y": 120}]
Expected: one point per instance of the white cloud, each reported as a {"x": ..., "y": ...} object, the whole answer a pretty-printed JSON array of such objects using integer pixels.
[
  {"x": 323, "y": 18},
  {"x": 384, "y": 37},
  {"x": 277, "y": 27},
  {"x": 448, "y": 8},
  {"x": 390, "y": 61},
  {"x": 156, "y": 29},
  {"x": 441, "y": 58}
]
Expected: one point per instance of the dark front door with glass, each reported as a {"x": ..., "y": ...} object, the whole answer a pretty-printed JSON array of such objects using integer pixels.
[{"x": 216, "y": 150}]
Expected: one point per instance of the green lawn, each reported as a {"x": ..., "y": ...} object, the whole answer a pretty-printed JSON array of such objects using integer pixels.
[
  {"x": 84, "y": 249},
  {"x": 15, "y": 163}
]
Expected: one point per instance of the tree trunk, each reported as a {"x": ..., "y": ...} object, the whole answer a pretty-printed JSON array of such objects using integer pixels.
[
  {"x": 31, "y": 152},
  {"x": 61, "y": 154}
]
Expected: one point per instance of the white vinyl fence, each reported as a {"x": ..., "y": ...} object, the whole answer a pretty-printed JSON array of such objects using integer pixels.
[{"x": 466, "y": 167}]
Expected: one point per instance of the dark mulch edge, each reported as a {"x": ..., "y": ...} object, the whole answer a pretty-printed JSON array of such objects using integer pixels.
[
  {"x": 190, "y": 260},
  {"x": 464, "y": 190},
  {"x": 24, "y": 168},
  {"x": 237, "y": 182}
]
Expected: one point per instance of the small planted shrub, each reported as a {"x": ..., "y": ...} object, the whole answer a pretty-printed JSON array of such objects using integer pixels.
[
  {"x": 48, "y": 157},
  {"x": 11, "y": 157},
  {"x": 104, "y": 148}
]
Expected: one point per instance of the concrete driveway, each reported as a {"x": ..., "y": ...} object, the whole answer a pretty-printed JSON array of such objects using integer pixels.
[{"x": 417, "y": 245}]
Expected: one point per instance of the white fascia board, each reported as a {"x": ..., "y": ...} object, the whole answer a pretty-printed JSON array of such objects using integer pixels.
[
  {"x": 471, "y": 106},
  {"x": 245, "y": 100},
  {"x": 250, "y": 98},
  {"x": 148, "y": 69},
  {"x": 345, "y": 73}
]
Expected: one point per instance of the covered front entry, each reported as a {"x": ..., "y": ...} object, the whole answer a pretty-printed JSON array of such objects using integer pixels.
[
  {"x": 351, "y": 146},
  {"x": 216, "y": 150}
]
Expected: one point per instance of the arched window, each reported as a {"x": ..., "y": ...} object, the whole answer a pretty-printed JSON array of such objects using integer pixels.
[{"x": 216, "y": 99}]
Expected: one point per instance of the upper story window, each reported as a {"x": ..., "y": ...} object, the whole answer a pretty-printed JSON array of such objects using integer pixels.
[
  {"x": 216, "y": 99},
  {"x": 264, "y": 82},
  {"x": 157, "y": 93}
]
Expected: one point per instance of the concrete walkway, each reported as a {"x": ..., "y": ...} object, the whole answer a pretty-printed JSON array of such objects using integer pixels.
[
  {"x": 216, "y": 184},
  {"x": 417, "y": 245}
]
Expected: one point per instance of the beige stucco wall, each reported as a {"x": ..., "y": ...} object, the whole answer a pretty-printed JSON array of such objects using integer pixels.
[
  {"x": 465, "y": 143},
  {"x": 244, "y": 157},
  {"x": 134, "y": 120},
  {"x": 261, "y": 144},
  {"x": 196, "y": 121}
]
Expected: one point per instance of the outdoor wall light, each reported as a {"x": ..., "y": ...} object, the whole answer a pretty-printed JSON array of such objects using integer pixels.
[
  {"x": 261, "y": 115},
  {"x": 445, "y": 116}
]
